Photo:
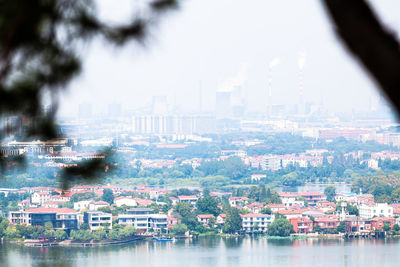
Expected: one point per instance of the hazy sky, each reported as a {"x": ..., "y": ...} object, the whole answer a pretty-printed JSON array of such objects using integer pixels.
[{"x": 207, "y": 43}]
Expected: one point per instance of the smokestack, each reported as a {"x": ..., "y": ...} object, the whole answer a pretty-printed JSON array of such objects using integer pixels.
[
  {"x": 271, "y": 66},
  {"x": 301, "y": 62}
]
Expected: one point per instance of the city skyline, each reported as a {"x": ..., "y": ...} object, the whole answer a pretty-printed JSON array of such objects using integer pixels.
[{"x": 173, "y": 63}]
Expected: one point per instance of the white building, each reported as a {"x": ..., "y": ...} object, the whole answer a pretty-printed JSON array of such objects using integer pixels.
[
  {"x": 125, "y": 200},
  {"x": 40, "y": 197},
  {"x": 379, "y": 210},
  {"x": 97, "y": 219},
  {"x": 144, "y": 219},
  {"x": 256, "y": 222}
]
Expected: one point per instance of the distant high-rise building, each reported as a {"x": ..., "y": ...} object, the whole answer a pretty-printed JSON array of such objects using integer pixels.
[
  {"x": 159, "y": 105},
  {"x": 85, "y": 111},
  {"x": 114, "y": 110},
  {"x": 237, "y": 102},
  {"x": 223, "y": 107}
]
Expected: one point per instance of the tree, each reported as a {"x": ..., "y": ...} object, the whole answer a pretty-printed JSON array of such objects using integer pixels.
[
  {"x": 108, "y": 196},
  {"x": 386, "y": 227},
  {"x": 396, "y": 195},
  {"x": 280, "y": 227},
  {"x": 3, "y": 226},
  {"x": 84, "y": 226},
  {"x": 342, "y": 227},
  {"x": 396, "y": 227},
  {"x": 179, "y": 229},
  {"x": 48, "y": 229},
  {"x": 263, "y": 193},
  {"x": 60, "y": 235},
  {"x": 40, "y": 44},
  {"x": 369, "y": 41},
  {"x": 233, "y": 222},
  {"x": 99, "y": 234},
  {"x": 330, "y": 193},
  {"x": 127, "y": 231},
  {"x": 208, "y": 205},
  {"x": 266, "y": 210},
  {"x": 188, "y": 217}
]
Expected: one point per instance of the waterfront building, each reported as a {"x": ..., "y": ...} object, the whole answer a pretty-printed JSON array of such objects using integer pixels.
[
  {"x": 252, "y": 222},
  {"x": 97, "y": 219},
  {"x": 144, "y": 219},
  {"x": 302, "y": 225},
  {"x": 326, "y": 222},
  {"x": 61, "y": 218},
  {"x": 378, "y": 223}
]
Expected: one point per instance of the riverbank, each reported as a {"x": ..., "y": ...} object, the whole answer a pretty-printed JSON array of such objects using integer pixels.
[{"x": 71, "y": 243}]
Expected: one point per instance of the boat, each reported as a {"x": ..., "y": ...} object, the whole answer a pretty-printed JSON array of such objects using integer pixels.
[{"x": 163, "y": 239}]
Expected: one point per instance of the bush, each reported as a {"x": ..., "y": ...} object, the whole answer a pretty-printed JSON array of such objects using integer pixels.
[{"x": 60, "y": 235}]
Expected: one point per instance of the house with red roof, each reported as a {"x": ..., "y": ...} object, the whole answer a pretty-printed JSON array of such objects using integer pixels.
[
  {"x": 302, "y": 225},
  {"x": 378, "y": 223},
  {"x": 327, "y": 222},
  {"x": 238, "y": 201},
  {"x": 254, "y": 207},
  {"x": 221, "y": 218},
  {"x": 95, "y": 205},
  {"x": 188, "y": 199},
  {"x": 276, "y": 207},
  {"x": 125, "y": 200},
  {"x": 40, "y": 197},
  {"x": 205, "y": 218},
  {"x": 143, "y": 202}
]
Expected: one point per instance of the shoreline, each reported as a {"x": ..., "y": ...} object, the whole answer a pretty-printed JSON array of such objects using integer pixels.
[{"x": 70, "y": 243}]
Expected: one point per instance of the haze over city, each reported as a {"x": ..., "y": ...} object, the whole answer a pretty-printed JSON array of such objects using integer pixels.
[{"x": 205, "y": 47}]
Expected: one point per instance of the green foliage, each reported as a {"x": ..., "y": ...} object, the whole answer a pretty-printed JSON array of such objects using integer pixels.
[
  {"x": 396, "y": 227},
  {"x": 208, "y": 205},
  {"x": 179, "y": 229},
  {"x": 127, "y": 231},
  {"x": 48, "y": 229},
  {"x": 386, "y": 227},
  {"x": 108, "y": 196},
  {"x": 351, "y": 209},
  {"x": 82, "y": 196},
  {"x": 60, "y": 235},
  {"x": 330, "y": 192},
  {"x": 342, "y": 227},
  {"x": 99, "y": 234},
  {"x": 266, "y": 210},
  {"x": 292, "y": 179},
  {"x": 280, "y": 227},
  {"x": 81, "y": 235},
  {"x": 188, "y": 217},
  {"x": 233, "y": 222},
  {"x": 3, "y": 226},
  {"x": 10, "y": 232},
  {"x": 84, "y": 226}
]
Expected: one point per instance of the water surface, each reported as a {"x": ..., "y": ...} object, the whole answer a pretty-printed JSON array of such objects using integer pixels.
[{"x": 213, "y": 251}]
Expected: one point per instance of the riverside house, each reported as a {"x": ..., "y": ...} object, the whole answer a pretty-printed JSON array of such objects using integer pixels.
[
  {"x": 61, "y": 218},
  {"x": 252, "y": 222}
]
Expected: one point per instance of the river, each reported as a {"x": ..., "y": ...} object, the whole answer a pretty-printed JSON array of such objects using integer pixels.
[{"x": 213, "y": 251}]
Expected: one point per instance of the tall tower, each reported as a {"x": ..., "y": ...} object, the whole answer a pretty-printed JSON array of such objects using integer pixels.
[
  {"x": 271, "y": 66},
  {"x": 301, "y": 62}
]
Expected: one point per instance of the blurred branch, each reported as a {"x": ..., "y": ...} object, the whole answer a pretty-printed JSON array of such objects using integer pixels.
[
  {"x": 38, "y": 54},
  {"x": 370, "y": 42}
]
